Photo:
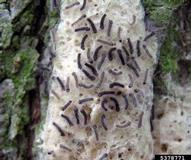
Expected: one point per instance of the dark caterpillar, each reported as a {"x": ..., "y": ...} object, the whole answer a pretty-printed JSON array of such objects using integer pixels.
[
  {"x": 101, "y": 61},
  {"x": 76, "y": 79},
  {"x": 117, "y": 108},
  {"x": 61, "y": 83},
  {"x": 88, "y": 75},
  {"x": 59, "y": 129},
  {"x": 121, "y": 56},
  {"x": 89, "y": 56},
  {"x": 72, "y": 5},
  {"x": 68, "y": 84},
  {"x": 95, "y": 56},
  {"x": 65, "y": 148},
  {"x": 95, "y": 131},
  {"x": 83, "y": 5},
  {"x": 86, "y": 86},
  {"x": 92, "y": 25},
  {"x": 67, "y": 119},
  {"x": 83, "y": 42},
  {"x": 82, "y": 29},
  {"x": 147, "y": 51},
  {"x": 94, "y": 71},
  {"x": 126, "y": 101},
  {"x": 130, "y": 46},
  {"x": 109, "y": 28},
  {"x": 146, "y": 75},
  {"x": 101, "y": 80},
  {"x": 103, "y": 103},
  {"x": 103, "y": 122},
  {"x": 110, "y": 53},
  {"x": 138, "y": 48},
  {"x": 102, "y": 21},
  {"x": 134, "y": 69},
  {"x": 105, "y": 42},
  {"x": 149, "y": 36},
  {"x": 76, "y": 113},
  {"x": 116, "y": 84},
  {"x": 100, "y": 94},
  {"x": 66, "y": 105},
  {"x": 85, "y": 116},
  {"x": 126, "y": 53},
  {"x": 81, "y": 101}
]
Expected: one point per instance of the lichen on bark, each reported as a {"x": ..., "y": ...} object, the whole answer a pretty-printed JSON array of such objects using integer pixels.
[{"x": 23, "y": 37}]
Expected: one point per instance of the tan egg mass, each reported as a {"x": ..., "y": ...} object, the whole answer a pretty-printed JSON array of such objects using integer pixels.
[{"x": 101, "y": 87}]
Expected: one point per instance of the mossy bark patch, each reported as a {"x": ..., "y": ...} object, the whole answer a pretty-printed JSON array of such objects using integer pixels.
[
  {"x": 16, "y": 101},
  {"x": 160, "y": 11},
  {"x": 166, "y": 19},
  {"x": 169, "y": 51},
  {"x": 176, "y": 45},
  {"x": 23, "y": 37}
]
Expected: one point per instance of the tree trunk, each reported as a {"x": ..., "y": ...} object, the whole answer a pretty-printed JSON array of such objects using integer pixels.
[{"x": 56, "y": 64}]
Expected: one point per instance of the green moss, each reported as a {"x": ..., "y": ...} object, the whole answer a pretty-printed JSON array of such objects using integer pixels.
[
  {"x": 7, "y": 33},
  {"x": 26, "y": 19},
  {"x": 169, "y": 51},
  {"x": 15, "y": 42},
  {"x": 160, "y": 11},
  {"x": 6, "y": 59},
  {"x": 19, "y": 118},
  {"x": 24, "y": 80},
  {"x": 7, "y": 104},
  {"x": 20, "y": 65},
  {"x": 173, "y": 63},
  {"x": 169, "y": 64}
]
